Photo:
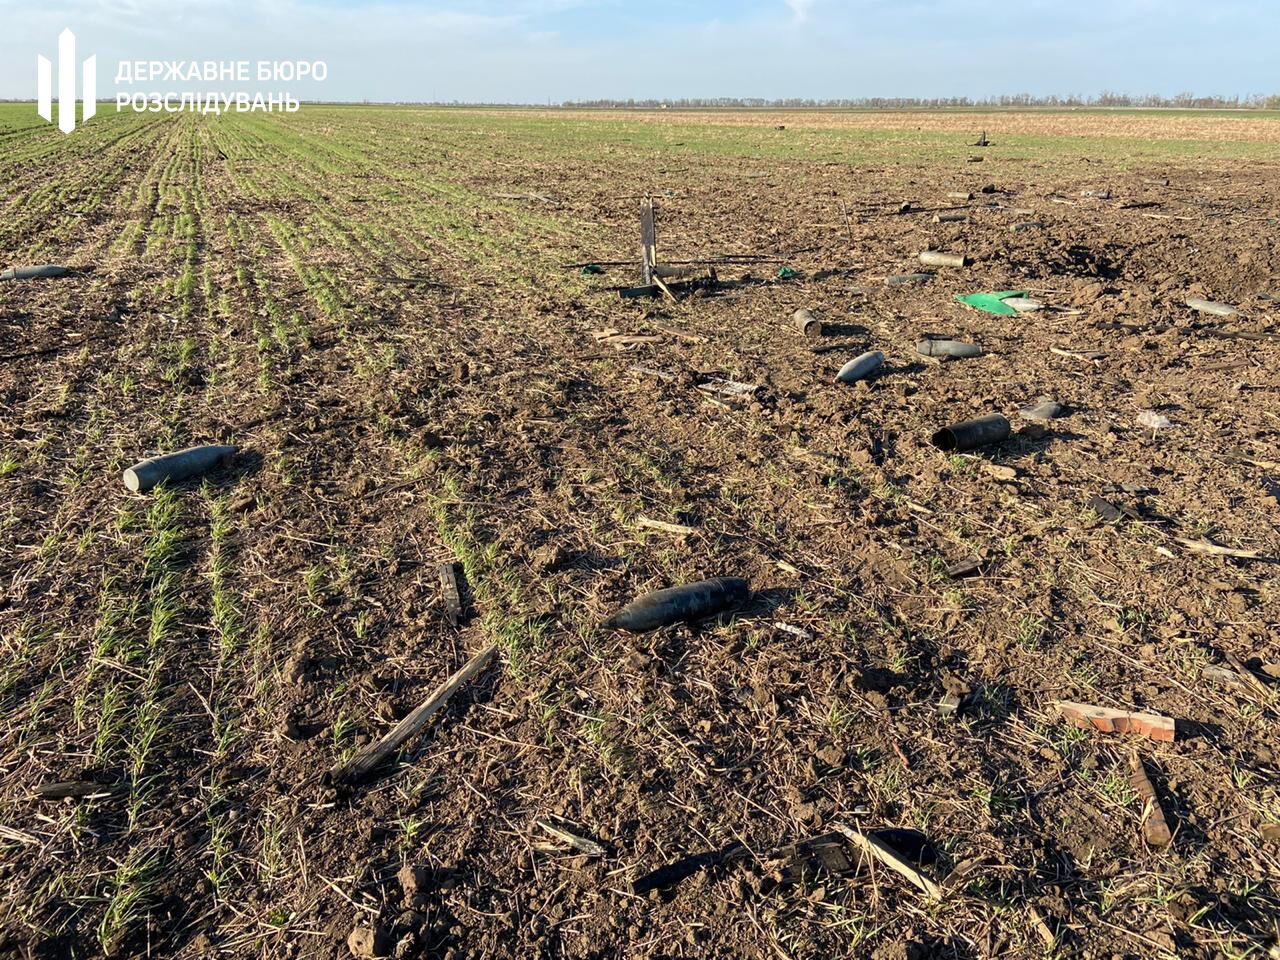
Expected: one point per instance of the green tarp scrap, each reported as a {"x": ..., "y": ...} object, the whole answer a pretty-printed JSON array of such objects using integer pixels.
[
  {"x": 992, "y": 302},
  {"x": 592, "y": 270},
  {"x": 786, "y": 273}
]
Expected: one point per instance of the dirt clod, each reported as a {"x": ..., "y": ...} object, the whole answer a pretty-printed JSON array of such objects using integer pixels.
[
  {"x": 366, "y": 942},
  {"x": 413, "y": 883}
]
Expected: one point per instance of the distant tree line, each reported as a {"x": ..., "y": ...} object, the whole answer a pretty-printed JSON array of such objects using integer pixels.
[
  {"x": 1185, "y": 101},
  {"x": 1181, "y": 101}
]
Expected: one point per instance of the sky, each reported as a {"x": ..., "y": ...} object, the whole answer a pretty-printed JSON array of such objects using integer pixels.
[{"x": 539, "y": 51}]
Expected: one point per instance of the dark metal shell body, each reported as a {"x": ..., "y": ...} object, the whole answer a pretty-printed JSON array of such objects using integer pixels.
[{"x": 693, "y": 601}]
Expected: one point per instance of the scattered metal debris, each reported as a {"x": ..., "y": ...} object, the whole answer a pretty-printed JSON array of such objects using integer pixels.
[
  {"x": 657, "y": 374},
  {"x": 968, "y": 567},
  {"x": 653, "y": 275},
  {"x": 860, "y": 367},
  {"x": 1105, "y": 509},
  {"x": 728, "y": 388},
  {"x": 693, "y": 601},
  {"x": 1043, "y": 410},
  {"x": 954, "y": 349},
  {"x": 833, "y": 854},
  {"x": 936, "y": 258},
  {"x": 47, "y": 271},
  {"x": 793, "y": 630},
  {"x": 807, "y": 323},
  {"x": 176, "y": 467},
  {"x": 1092, "y": 356},
  {"x": 972, "y": 434},
  {"x": 449, "y": 591}
]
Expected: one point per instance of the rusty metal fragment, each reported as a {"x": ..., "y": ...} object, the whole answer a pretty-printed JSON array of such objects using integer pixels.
[{"x": 449, "y": 590}]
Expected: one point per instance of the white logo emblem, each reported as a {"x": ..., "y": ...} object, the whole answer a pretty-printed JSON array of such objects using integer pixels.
[{"x": 67, "y": 84}]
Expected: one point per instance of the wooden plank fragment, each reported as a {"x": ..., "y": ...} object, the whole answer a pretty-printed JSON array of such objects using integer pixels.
[
  {"x": 523, "y": 196},
  {"x": 1215, "y": 550},
  {"x": 1252, "y": 335},
  {"x": 666, "y": 291},
  {"x": 613, "y": 337},
  {"x": 588, "y": 847},
  {"x": 1263, "y": 464},
  {"x": 1154, "y": 826},
  {"x": 634, "y": 293},
  {"x": 80, "y": 789},
  {"x": 368, "y": 758},
  {"x": 683, "y": 335},
  {"x": 1091, "y": 355},
  {"x": 953, "y": 883},
  {"x": 648, "y": 242},
  {"x": 880, "y": 851},
  {"x": 449, "y": 590},
  {"x": 1105, "y": 719},
  {"x": 1247, "y": 676},
  {"x": 675, "y": 528},
  {"x": 1042, "y": 927}
]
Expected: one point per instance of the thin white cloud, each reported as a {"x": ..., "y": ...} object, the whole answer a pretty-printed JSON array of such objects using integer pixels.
[
  {"x": 534, "y": 50},
  {"x": 801, "y": 10}
]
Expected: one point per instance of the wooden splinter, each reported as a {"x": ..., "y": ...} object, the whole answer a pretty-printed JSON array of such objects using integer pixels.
[
  {"x": 367, "y": 759},
  {"x": 1154, "y": 826}
]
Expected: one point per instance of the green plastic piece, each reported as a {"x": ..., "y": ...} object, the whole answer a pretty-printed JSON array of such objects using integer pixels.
[
  {"x": 786, "y": 273},
  {"x": 992, "y": 302},
  {"x": 592, "y": 270}
]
